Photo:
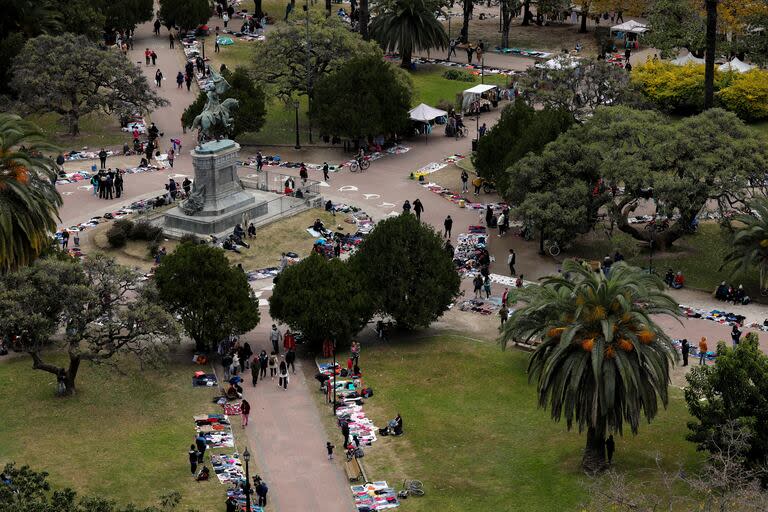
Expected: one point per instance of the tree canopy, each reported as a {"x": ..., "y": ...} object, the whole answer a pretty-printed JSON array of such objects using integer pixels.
[
  {"x": 71, "y": 76},
  {"x": 251, "y": 111},
  {"x": 639, "y": 154},
  {"x": 520, "y": 130},
  {"x": 281, "y": 60},
  {"x": 406, "y": 271},
  {"x": 749, "y": 241},
  {"x": 365, "y": 96},
  {"x": 733, "y": 389},
  {"x": 322, "y": 299},
  {"x": 185, "y": 14},
  {"x": 99, "y": 305},
  {"x": 602, "y": 361},
  {"x": 213, "y": 298}
]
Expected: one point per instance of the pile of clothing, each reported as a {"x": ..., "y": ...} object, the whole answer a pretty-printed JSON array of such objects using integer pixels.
[
  {"x": 234, "y": 409},
  {"x": 263, "y": 273},
  {"x": 216, "y": 430},
  {"x": 428, "y": 169},
  {"x": 359, "y": 424},
  {"x": 468, "y": 250},
  {"x": 72, "y": 177},
  {"x": 73, "y": 155},
  {"x": 239, "y": 495},
  {"x": 228, "y": 468},
  {"x": 374, "y": 496},
  {"x": 716, "y": 315},
  {"x": 481, "y": 306},
  {"x": 202, "y": 379}
]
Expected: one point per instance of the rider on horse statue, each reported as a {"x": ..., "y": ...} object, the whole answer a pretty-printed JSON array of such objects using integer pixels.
[{"x": 216, "y": 119}]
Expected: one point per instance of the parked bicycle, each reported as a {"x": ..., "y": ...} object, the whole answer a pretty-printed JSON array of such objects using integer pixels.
[
  {"x": 551, "y": 247},
  {"x": 411, "y": 488},
  {"x": 359, "y": 165}
]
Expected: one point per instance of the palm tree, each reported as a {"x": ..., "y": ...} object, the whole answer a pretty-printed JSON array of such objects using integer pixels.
[
  {"x": 602, "y": 361},
  {"x": 406, "y": 26},
  {"x": 28, "y": 198},
  {"x": 749, "y": 241}
]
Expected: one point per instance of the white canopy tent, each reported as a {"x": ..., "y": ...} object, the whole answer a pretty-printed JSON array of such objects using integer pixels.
[
  {"x": 423, "y": 113},
  {"x": 736, "y": 65},
  {"x": 688, "y": 58},
  {"x": 474, "y": 93},
  {"x": 630, "y": 27}
]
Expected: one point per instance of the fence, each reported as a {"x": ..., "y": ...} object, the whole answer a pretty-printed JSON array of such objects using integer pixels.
[{"x": 282, "y": 205}]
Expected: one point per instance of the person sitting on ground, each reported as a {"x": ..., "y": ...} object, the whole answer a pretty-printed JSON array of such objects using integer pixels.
[
  {"x": 398, "y": 425},
  {"x": 740, "y": 296},
  {"x": 204, "y": 474},
  {"x": 679, "y": 280},
  {"x": 721, "y": 293},
  {"x": 519, "y": 282},
  {"x": 669, "y": 277},
  {"x": 318, "y": 226},
  {"x": 239, "y": 232},
  {"x": 251, "y": 230},
  {"x": 229, "y": 245}
]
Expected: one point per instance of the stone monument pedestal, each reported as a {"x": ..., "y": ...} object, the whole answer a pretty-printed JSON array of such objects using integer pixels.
[{"x": 217, "y": 201}]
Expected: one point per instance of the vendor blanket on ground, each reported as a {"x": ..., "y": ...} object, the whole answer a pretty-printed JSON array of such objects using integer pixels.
[
  {"x": 215, "y": 429},
  {"x": 374, "y": 496}
]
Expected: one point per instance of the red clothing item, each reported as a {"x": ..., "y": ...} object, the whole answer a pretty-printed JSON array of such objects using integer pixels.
[
  {"x": 679, "y": 279},
  {"x": 289, "y": 342}
]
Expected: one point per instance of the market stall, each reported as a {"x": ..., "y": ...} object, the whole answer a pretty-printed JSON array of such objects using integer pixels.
[
  {"x": 688, "y": 58},
  {"x": 736, "y": 65},
  {"x": 480, "y": 98},
  {"x": 630, "y": 31},
  {"x": 423, "y": 113}
]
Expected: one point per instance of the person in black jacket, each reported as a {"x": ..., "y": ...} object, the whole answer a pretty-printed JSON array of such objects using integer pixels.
[
  {"x": 231, "y": 504},
  {"x": 193, "y": 456},
  {"x": 418, "y": 208},
  {"x": 448, "y": 224},
  {"x": 686, "y": 347}
]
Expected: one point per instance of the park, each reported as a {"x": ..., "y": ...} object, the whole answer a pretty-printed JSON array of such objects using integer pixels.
[{"x": 373, "y": 255}]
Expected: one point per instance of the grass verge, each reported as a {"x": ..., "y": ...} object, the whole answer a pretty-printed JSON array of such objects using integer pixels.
[
  {"x": 476, "y": 438},
  {"x": 96, "y": 130}
]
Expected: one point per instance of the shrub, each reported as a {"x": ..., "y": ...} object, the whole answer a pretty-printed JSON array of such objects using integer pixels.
[
  {"x": 671, "y": 87},
  {"x": 747, "y": 95},
  {"x": 189, "y": 238},
  {"x": 119, "y": 233},
  {"x": 143, "y": 230},
  {"x": 459, "y": 74}
]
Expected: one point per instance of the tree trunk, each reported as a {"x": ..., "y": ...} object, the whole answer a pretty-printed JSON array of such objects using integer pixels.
[
  {"x": 526, "y": 13},
  {"x": 257, "y": 9},
  {"x": 406, "y": 62},
  {"x": 541, "y": 241},
  {"x": 74, "y": 123},
  {"x": 465, "y": 24},
  {"x": 583, "y": 28},
  {"x": 594, "y": 453},
  {"x": 74, "y": 366},
  {"x": 363, "y": 19},
  {"x": 506, "y": 21},
  {"x": 328, "y": 8},
  {"x": 662, "y": 240},
  {"x": 709, "y": 58}
]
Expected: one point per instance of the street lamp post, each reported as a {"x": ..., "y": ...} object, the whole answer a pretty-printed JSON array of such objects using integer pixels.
[
  {"x": 247, "y": 459},
  {"x": 333, "y": 405},
  {"x": 482, "y": 69},
  {"x": 296, "y": 108},
  {"x": 203, "y": 41},
  {"x": 309, "y": 71}
]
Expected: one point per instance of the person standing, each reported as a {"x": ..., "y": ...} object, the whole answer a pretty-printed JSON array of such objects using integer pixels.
[
  {"x": 157, "y": 27},
  {"x": 147, "y": 55},
  {"x": 262, "y": 489},
  {"x": 283, "y": 374},
  {"x": 109, "y": 184},
  {"x": 477, "y": 282},
  {"x": 193, "y": 454},
  {"x": 158, "y": 78},
  {"x": 179, "y": 80},
  {"x": 245, "y": 410},
  {"x": 329, "y": 448},
  {"x": 470, "y": 51},
  {"x": 345, "y": 432},
  {"x": 448, "y": 224},
  {"x": 118, "y": 183},
  {"x": 201, "y": 445},
  {"x": 95, "y": 184},
  {"x": 610, "y": 447},
  {"x": 255, "y": 368},
  {"x": 289, "y": 343},
  {"x": 503, "y": 314},
  {"x": 154, "y": 57},
  {"x": 511, "y": 259},
  {"x": 231, "y": 504},
  {"x": 103, "y": 158},
  {"x": 488, "y": 216},
  {"x": 451, "y": 48},
  {"x": 487, "y": 287},
  {"x": 275, "y": 337},
  {"x": 226, "y": 363},
  {"x": 216, "y": 46},
  {"x": 263, "y": 362},
  {"x": 418, "y": 208},
  {"x": 703, "y": 351},
  {"x": 186, "y": 185},
  {"x": 171, "y": 156},
  {"x": 464, "y": 181},
  {"x": 272, "y": 365},
  {"x": 407, "y": 207},
  {"x": 171, "y": 41},
  {"x": 325, "y": 172},
  {"x": 355, "y": 351},
  {"x": 259, "y": 161},
  {"x": 685, "y": 348},
  {"x": 505, "y": 297},
  {"x": 735, "y": 335},
  {"x": 501, "y": 224},
  {"x": 188, "y": 81},
  {"x": 65, "y": 239}
]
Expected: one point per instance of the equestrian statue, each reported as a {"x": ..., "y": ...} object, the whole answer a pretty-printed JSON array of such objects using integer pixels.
[{"x": 216, "y": 119}]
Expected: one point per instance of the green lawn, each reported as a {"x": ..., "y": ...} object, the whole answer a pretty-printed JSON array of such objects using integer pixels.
[
  {"x": 122, "y": 436},
  {"x": 96, "y": 130},
  {"x": 430, "y": 87},
  {"x": 476, "y": 438}
]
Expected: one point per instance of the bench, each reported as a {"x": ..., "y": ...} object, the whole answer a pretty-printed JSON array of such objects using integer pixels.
[{"x": 353, "y": 469}]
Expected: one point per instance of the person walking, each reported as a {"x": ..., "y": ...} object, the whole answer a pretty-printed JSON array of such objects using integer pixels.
[
  {"x": 610, "y": 447},
  {"x": 685, "y": 348},
  {"x": 470, "y": 51},
  {"x": 735, "y": 335},
  {"x": 65, "y": 239},
  {"x": 188, "y": 81},
  {"x": 272, "y": 365},
  {"x": 171, "y": 41},
  {"x": 259, "y": 161},
  {"x": 406, "y": 207},
  {"x": 154, "y": 57},
  {"x": 325, "y": 172},
  {"x": 289, "y": 343},
  {"x": 179, "y": 80},
  {"x": 201, "y": 445},
  {"x": 477, "y": 282},
  {"x": 488, "y": 216},
  {"x": 263, "y": 362},
  {"x": 226, "y": 363},
  {"x": 171, "y": 156},
  {"x": 703, "y": 351},
  {"x": 216, "y": 46},
  {"x": 418, "y": 208},
  {"x": 464, "y": 181},
  {"x": 262, "y": 489},
  {"x": 245, "y": 410},
  {"x": 103, "y": 158},
  {"x": 355, "y": 352},
  {"x": 447, "y": 224},
  {"x": 193, "y": 454},
  {"x": 147, "y": 55},
  {"x": 329, "y": 448},
  {"x": 159, "y": 78},
  {"x": 275, "y": 337},
  {"x": 487, "y": 287},
  {"x": 255, "y": 368},
  {"x": 451, "y": 48},
  {"x": 511, "y": 259},
  {"x": 501, "y": 224},
  {"x": 283, "y": 374},
  {"x": 157, "y": 27}
]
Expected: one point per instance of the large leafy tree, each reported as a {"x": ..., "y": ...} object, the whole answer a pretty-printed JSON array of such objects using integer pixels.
[
  {"x": 520, "y": 130},
  {"x": 251, "y": 111},
  {"x": 646, "y": 154},
  {"x": 406, "y": 26},
  {"x": 602, "y": 361},
  {"x": 322, "y": 299},
  {"x": 127, "y": 14},
  {"x": 94, "y": 311},
  {"x": 184, "y": 14},
  {"x": 212, "y": 298},
  {"x": 366, "y": 96},
  {"x": 281, "y": 61},
  {"x": 30, "y": 490},
  {"x": 71, "y": 76},
  {"x": 578, "y": 88},
  {"x": 407, "y": 272},
  {"x": 29, "y": 201},
  {"x": 734, "y": 389},
  {"x": 749, "y": 241}
]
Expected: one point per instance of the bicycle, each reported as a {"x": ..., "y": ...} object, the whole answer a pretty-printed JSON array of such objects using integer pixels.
[
  {"x": 359, "y": 165},
  {"x": 552, "y": 247},
  {"x": 461, "y": 132},
  {"x": 411, "y": 488}
]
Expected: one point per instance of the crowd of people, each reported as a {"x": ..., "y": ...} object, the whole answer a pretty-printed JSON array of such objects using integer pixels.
[{"x": 728, "y": 293}]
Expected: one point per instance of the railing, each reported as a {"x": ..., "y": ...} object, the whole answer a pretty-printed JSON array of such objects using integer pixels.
[{"x": 272, "y": 181}]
